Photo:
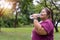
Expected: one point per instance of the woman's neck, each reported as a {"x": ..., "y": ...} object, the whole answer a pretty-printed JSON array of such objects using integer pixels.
[{"x": 44, "y": 19}]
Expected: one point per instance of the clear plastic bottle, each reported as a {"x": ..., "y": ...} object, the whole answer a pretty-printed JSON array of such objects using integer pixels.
[{"x": 31, "y": 17}]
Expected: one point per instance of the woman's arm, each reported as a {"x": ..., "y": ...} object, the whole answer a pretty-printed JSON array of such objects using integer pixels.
[{"x": 39, "y": 29}]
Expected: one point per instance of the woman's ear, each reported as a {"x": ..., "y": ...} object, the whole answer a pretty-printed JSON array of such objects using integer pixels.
[{"x": 48, "y": 16}]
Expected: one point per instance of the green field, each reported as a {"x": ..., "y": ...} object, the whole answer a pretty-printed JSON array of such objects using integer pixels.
[{"x": 20, "y": 34}]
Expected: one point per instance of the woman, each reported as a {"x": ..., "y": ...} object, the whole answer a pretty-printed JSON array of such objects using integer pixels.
[{"x": 43, "y": 30}]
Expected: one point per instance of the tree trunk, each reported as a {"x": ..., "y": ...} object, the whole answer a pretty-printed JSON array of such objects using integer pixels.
[
  {"x": 56, "y": 27},
  {"x": 16, "y": 20}
]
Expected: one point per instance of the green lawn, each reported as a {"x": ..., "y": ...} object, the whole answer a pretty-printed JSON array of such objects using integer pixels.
[{"x": 20, "y": 34}]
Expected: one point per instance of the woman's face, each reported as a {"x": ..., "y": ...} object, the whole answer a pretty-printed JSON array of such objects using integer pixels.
[{"x": 43, "y": 14}]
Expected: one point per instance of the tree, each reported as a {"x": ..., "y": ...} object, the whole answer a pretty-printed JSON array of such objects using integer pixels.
[
  {"x": 54, "y": 8},
  {"x": 25, "y": 9},
  {"x": 52, "y": 5}
]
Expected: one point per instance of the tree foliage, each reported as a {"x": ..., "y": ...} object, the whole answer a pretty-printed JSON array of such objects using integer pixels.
[{"x": 27, "y": 8}]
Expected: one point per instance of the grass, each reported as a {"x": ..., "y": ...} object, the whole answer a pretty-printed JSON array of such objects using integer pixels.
[{"x": 20, "y": 34}]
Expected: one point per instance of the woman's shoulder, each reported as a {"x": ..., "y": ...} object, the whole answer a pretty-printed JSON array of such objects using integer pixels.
[{"x": 48, "y": 20}]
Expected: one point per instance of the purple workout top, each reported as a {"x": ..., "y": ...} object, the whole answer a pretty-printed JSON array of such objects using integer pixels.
[{"x": 49, "y": 28}]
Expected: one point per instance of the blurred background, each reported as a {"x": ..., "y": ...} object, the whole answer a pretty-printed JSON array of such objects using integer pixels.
[{"x": 15, "y": 14}]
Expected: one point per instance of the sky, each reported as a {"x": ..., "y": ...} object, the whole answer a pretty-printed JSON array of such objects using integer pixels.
[{"x": 34, "y": 2}]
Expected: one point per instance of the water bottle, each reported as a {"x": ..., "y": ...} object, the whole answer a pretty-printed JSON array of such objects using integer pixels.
[{"x": 31, "y": 17}]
